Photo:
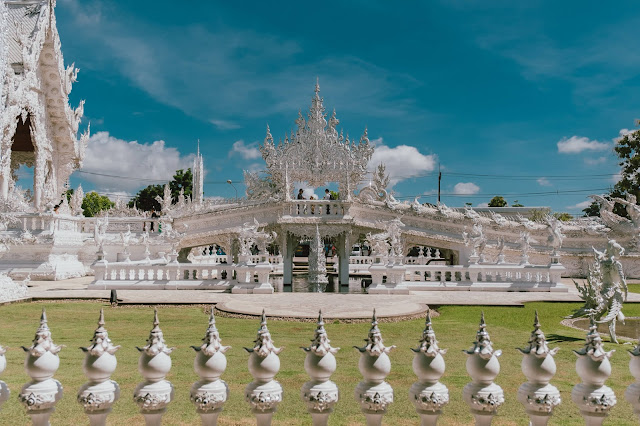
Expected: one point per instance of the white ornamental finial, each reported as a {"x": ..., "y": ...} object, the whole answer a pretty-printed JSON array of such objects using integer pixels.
[
  {"x": 592, "y": 396},
  {"x": 264, "y": 393},
  {"x": 428, "y": 394},
  {"x": 373, "y": 393},
  {"x": 632, "y": 394},
  {"x": 538, "y": 396},
  {"x": 482, "y": 395},
  {"x": 100, "y": 393},
  {"x": 210, "y": 393},
  {"x": 155, "y": 393},
  {"x": 41, "y": 395},
  {"x": 320, "y": 393},
  {"x": 4, "y": 389}
]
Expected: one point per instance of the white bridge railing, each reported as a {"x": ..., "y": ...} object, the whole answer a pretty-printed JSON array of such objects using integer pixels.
[
  {"x": 484, "y": 397},
  {"x": 317, "y": 208}
]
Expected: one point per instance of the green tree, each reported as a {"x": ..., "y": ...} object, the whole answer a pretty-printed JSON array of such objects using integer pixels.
[
  {"x": 94, "y": 203},
  {"x": 563, "y": 216},
  {"x": 538, "y": 215},
  {"x": 498, "y": 201},
  {"x": 628, "y": 151},
  {"x": 517, "y": 203},
  {"x": 145, "y": 199},
  {"x": 592, "y": 210}
]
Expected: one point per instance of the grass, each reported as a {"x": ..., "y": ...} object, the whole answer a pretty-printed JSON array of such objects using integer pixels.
[{"x": 72, "y": 324}]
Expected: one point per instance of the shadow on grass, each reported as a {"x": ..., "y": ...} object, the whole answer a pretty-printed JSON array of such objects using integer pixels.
[{"x": 556, "y": 338}]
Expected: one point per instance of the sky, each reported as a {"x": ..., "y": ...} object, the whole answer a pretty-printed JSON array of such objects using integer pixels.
[{"x": 519, "y": 99}]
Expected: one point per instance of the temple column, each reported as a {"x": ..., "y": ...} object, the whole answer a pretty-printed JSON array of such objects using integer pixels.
[
  {"x": 287, "y": 258},
  {"x": 4, "y": 186},
  {"x": 343, "y": 264}
]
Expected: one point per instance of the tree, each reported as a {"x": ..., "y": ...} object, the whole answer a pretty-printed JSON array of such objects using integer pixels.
[
  {"x": 145, "y": 199},
  {"x": 628, "y": 151},
  {"x": 517, "y": 203},
  {"x": 563, "y": 216},
  {"x": 94, "y": 203},
  {"x": 498, "y": 201},
  {"x": 593, "y": 210}
]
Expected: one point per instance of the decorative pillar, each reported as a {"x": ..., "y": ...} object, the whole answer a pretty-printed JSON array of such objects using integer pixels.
[
  {"x": 343, "y": 254},
  {"x": 592, "y": 396},
  {"x": 482, "y": 395},
  {"x": 428, "y": 394},
  {"x": 538, "y": 396},
  {"x": 320, "y": 393},
  {"x": 632, "y": 394},
  {"x": 210, "y": 393},
  {"x": 4, "y": 389},
  {"x": 98, "y": 395},
  {"x": 373, "y": 393},
  {"x": 155, "y": 393},
  {"x": 264, "y": 393},
  {"x": 287, "y": 270},
  {"x": 41, "y": 395}
]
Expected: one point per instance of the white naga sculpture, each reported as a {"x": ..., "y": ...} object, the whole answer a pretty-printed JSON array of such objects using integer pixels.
[
  {"x": 477, "y": 240},
  {"x": 556, "y": 237},
  {"x": 605, "y": 290}
]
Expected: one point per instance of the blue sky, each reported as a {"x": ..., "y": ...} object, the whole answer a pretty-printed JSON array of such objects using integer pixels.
[{"x": 532, "y": 94}]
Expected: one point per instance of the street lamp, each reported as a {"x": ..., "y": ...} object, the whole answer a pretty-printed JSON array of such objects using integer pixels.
[{"x": 234, "y": 188}]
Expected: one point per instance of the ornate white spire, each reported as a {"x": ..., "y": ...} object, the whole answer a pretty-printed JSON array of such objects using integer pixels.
[
  {"x": 155, "y": 342},
  {"x": 375, "y": 345},
  {"x": 538, "y": 342},
  {"x": 211, "y": 341},
  {"x": 42, "y": 342},
  {"x": 483, "y": 346},
  {"x": 320, "y": 345},
  {"x": 101, "y": 342},
  {"x": 263, "y": 343},
  {"x": 429, "y": 343}
]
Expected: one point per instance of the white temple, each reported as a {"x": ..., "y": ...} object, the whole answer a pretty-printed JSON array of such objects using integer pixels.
[{"x": 413, "y": 246}]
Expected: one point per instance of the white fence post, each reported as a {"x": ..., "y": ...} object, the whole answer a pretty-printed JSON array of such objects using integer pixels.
[
  {"x": 210, "y": 393},
  {"x": 374, "y": 394},
  {"x": 264, "y": 393},
  {"x": 428, "y": 394},
  {"x": 538, "y": 396},
  {"x": 482, "y": 395},
  {"x": 592, "y": 396},
  {"x": 41, "y": 395},
  {"x": 4, "y": 389},
  {"x": 100, "y": 393},
  {"x": 632, "y": 394},
  {"x": 320, "y": 393},
  {"x": 155, "y": 393}
]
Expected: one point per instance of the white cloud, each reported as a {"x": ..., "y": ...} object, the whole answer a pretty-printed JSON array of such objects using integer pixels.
[
  {"x": 616, "y": 178},
  {"x": 595, "y": 161},
  {"x": 246, "y": 152},
  {"x": 146, "y": 162},
  {"x": 483, "y": 205},
  {"x": 225, "y": 124},
  {"x": 580, "y": 206},
  {"x": 402, "y": 162},
  {"x": 578, "y": 144},
  {"x": 543, "y": 181},
  {"x": 466, "y": 188}
]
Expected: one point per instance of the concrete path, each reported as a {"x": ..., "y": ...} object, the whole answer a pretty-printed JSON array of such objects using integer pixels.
[{"x": 305, "y": 305}]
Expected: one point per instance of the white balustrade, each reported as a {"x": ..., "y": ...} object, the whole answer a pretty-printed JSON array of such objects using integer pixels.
[
  {"x": 482, "y": 395},
  {"x": 592, "y": 396},
  {"x": 100, "y": 393},
  {"x": 210, "y": 393},
  {"x": 374, "y": 394},
  {"x": 317, "y": 208},
  {"x": 320, "y": 393},
  {"x": 155, "y": 393},
  {"x": 538, "y": 396},
  {"x": 264, "y": 393},
  {"x": 41, "y": 395},
  {"x": 428, "y": 394}
]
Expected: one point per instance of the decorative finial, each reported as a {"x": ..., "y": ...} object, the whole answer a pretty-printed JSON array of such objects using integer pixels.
[
  {"x": 483, "y": 345},
  {"x": 320, "y": 345},
  {"x": 100, "y": 343},
  {"x": 594, "y": 347},
  {"x": 428, "y": 343},
  {"x": 211, "y": 341},
  {"x": 538, "y": 342},
  {"x": 155, "y": 342},
  {"x": 375, "y": 345},
  {"x": 42, "y": 342},
  {"x": 317, "y": 86},
  {"x": 263, "y": 343}
]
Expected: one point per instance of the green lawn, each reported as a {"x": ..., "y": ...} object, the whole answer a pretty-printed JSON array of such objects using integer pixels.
[{"x": 72, "y": 324}]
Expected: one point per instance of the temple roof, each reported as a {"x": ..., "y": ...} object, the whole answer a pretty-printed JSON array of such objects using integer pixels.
[{"x": 24, "y": 15}]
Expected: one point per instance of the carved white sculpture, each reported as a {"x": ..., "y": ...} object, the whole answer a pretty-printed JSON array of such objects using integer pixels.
[
  {"x": 632, "y": 394},
  {"x": 126, "y": 239},
  {"x": 428, "y": 395},
  {"x": 210, "y": 393},
  {"x": 538, "y": 396},
  {"x": 477, "y": 240},
  {"x": 100, "y": 393},
  {"x": 317, "y": 279},
  {"x": 525, "y": 246},
  {"x": 4, "y": 389},
  {"x": 374, "y": 394},
  {"x": 556, "y": 237},
  {"x": 41, "y": 395},
  {"x": 320, "y": 393},
  {"x": 155, "y": 393},
  {"x": 482, "y": 395},
  {"x": 264, "y": 393},
  {"x": 592, "y": 396},
  {"x": 605, "y": 290}
]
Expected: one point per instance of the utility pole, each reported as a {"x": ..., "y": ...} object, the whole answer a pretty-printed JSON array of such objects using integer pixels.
[{"x": 439, "y": 180}]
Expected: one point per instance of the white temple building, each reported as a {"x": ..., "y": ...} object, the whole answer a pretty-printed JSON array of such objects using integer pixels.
[{"x": 207, "y": 243}]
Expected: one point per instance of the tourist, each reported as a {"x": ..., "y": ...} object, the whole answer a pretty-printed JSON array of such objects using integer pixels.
[
  {"x": 301, "y": 194},
  {"x": 327, "y": 196}
]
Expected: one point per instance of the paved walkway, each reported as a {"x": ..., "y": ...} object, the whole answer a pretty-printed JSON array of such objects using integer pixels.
[{"x": 305, "y": 305}]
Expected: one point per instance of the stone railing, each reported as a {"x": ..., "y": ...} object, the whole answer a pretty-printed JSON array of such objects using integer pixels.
[
  {"x": 317, "y": 208},
  {"x": 373, "y": 394},
  {"x": 64, "y": 222}
]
